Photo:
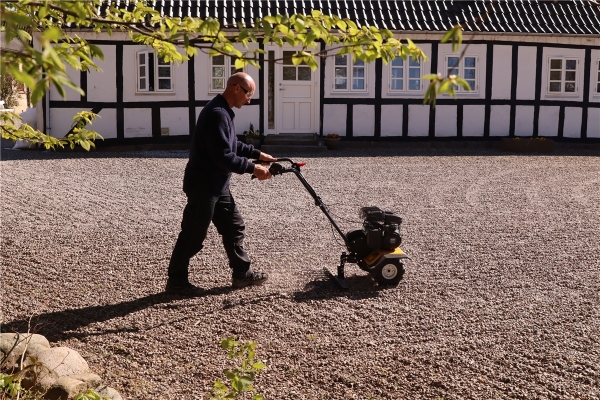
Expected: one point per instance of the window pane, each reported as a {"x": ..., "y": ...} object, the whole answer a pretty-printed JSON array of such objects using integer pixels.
[
  {"x": 287, "y": 58},
  {"x": 397, "y": 84},
  {"x": 341, "y": 60},
  {"x": 304, "y": 73},
  {"x": 414, "y": 73},
  {"x": 340, "y": 83},
  {"x": 414, "y": 62},
  {"x": 164, "y": 72},
  {"x": 469, "y": 74},
  {"x": 569, "y": 75},
  {"x": 164, "y": 84},
  {"x": 452, "y": 62},
  {"x": 414, "y": 84},
  {"x": 218, "y": 83},
  {"x": 570, "y": 87},
  {"x": 599, "y": 76},
  {"x": 289, "y": 73},
  {"x": 358, "y": 72},
  {"x": 218, "y": 72},
  {"x": 397, "y": 72},
  {"x": 397, "y": 62},
  {"x": 571, "y": 64},
  {"x": 142, "y": 72},
  {"x": 359, "y": 62},
  {"x": 453, "y": 71},
  {"x": 218, "y": 60},
  {"x": 469, "y": 62},
  {"x": 555, "y": 86},
  {"x": 598, "y": 88},
  {"x": 555, "y": 75},
  {"x": 358, "y": 84},
  {"x": 161, "y": 61},
  {"x": 340, "y": 72},
  {"x": 556, "y": 64},
  {"x": 471, "y": 84},
  {"x": 142, "y": 59},
  {"x": 143, "y": 84}
]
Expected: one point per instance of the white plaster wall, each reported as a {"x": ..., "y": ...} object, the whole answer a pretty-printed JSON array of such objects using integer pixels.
[
  {"x": 70, "y": 93},
  {"x": 138, "y": 122},
  {"x": 502, "y": 72},
  {"x": 202, "y": 73},
  {"x": 244, "y": 117},
  {"x": 179, "y": 72},
  {"x": 572, "y": 127},
  {"x": 561, "y": 52},
  {"x": 499, "y": 120},
  {"x": 176, "y": 119},
  {"x": 524, "y": 121},
  {"x": 363, "y": 120},
  {"x": 473, "y": 120},
  {"x": 328, "y": 83},
  {"x": 418, "y": 120},
  {"x": 425, "y": 70},
  {"x": 477, "y": 50},
  {"x": 445, "y": 121},
  {"x": 548, "y": 122},
  {"x": 334, "y": 119},
  {"x": 391, "y": 120},
  {"x": 595, "y": 76},
  {"x": 102, "y": 85},
  {"x": 593, "y": 127},
  {"x": 526, "y": 73},
  {"x": 61, "y": 120}
]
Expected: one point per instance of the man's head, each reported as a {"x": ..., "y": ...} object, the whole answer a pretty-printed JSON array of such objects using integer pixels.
[{"x": 240, "y": 89}]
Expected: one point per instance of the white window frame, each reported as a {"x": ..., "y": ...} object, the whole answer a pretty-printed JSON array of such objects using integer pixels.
[
  {"x": 460, "y": 69},
  {"x": 405, "y": 78},
  {"x": 352, "y": 74},
  {"x": 144, "y": 74},
  {"x": 597, "y": 76},
  {"x": 563, "y": 72},
  {"x": 228, "y": 70}
]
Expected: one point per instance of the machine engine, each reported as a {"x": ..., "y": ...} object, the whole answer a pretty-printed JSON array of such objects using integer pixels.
[{"x": 381, "y": 230}]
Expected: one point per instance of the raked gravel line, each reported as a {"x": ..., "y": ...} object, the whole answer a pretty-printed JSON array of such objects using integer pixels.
[{"x": 501, "y": 298}]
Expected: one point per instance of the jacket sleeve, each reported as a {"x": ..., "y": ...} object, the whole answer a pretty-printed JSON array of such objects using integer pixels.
[
  {"x": 219, "y": 141},
  {"x": 247, "y": 150}
]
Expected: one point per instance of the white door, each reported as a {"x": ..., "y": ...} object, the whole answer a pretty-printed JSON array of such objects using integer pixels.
[{"x": 295, "y": 92}]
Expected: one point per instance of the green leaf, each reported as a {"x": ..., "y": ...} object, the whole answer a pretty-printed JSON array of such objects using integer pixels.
[{"x": 53, "y": 34}]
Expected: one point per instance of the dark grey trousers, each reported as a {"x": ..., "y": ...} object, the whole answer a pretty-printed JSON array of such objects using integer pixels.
[{"x": 200, "y": 211}]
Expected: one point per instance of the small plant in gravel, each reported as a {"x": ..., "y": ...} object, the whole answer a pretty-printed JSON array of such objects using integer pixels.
[{"x": 241, "y": 377}]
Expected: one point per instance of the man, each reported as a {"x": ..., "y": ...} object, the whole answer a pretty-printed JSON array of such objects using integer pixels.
[{"x": 214, "y": 154}]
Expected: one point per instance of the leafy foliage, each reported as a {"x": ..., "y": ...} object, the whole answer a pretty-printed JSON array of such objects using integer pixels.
[
  {"x": 242, "y": 376},
  {"x": 7, "y": 91}
]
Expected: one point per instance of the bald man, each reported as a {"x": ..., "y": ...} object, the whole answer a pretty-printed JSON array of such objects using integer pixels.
[{"x": 214, "y": 154}]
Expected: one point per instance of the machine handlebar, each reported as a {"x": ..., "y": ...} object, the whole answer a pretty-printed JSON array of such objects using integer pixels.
[{"x": 277, "y": 169}]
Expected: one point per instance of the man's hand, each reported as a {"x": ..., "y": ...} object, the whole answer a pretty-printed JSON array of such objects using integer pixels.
[
  {"x": 261, "y": 172},
  {"x": 266, "y": 158}
]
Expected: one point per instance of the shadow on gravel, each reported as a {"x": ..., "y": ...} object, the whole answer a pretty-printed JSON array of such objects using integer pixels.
[
  {"x": 361, "y": 287},
  {"x": 62, "y": 325}
]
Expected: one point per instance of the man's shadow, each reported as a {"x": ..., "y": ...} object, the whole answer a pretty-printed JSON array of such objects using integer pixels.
[{"x": 62, "y": 325}]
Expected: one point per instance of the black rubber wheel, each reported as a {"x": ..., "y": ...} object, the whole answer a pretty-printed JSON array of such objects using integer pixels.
[{"x": 388, "y": 272}]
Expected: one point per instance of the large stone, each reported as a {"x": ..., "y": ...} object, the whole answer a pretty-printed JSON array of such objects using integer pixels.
[
  {"x": 91, "y": 380},
  {"x": 65, "y": 388},
  {"x": 58, "y": 362},
  {"x": 106, "y": 391},
  {"x": 16, "y": 344}
]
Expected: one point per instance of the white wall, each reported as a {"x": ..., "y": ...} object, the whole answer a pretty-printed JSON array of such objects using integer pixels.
[
  {"x": 176, "y": 119},
  {"x": 548, "y": 122},
  {"x": 572, "y": 127},
  {"x": 502, "y": 72},
  {"x": 445, "y": 121},
  {"x": 418, "y": 120},
  {"x": 524, "y": 121},
  {"x": 102, "y": 85},
  {"x": 334, "y": 119},
  {"x": 71, "y": 95},
  {"x": 138, "y": 122},
  {"x": 473, "y": 120},
  {"x": 391, "y": 120},
  {"x": 526, "y": 73},
  {"x": 593, "y": 128},
  {"x": 363, "y": 120},
  {"x": 499, "y": 120}
]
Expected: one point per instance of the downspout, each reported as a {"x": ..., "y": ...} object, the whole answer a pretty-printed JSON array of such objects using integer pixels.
[{"x": 47, "y": 122}]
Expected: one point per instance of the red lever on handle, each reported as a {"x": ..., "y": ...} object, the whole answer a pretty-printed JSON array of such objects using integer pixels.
[{"x": 301, "y": 164}]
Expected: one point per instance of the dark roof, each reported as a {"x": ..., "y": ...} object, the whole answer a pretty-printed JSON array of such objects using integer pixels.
[{"x": 508, "y": 16}]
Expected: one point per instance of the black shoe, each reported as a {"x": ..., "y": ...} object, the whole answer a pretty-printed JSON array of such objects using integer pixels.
[
  {"x": 186, "y": 289},
  {"x": 249, "y": 278}
]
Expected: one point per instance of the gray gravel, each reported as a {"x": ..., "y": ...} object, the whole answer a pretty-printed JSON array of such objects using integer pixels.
[{"x": 501, "y": 298}]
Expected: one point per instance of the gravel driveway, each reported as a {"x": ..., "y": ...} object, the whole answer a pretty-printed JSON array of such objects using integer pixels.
[{"x": 501, "y": 298}]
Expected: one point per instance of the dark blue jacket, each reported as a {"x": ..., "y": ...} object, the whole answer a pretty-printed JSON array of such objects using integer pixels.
[{"x": 215, "y": 151}]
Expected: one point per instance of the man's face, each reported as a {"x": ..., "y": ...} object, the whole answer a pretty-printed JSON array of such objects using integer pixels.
[{"x": 243, "y": 94}]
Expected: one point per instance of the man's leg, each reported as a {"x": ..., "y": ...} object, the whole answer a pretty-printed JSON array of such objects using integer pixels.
[
  {"x": 197, "y": 216},
  {"x": 230, "y": 225}
]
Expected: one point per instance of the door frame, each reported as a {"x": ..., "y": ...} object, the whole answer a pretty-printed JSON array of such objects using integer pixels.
[{"x": 278, "y": 79}]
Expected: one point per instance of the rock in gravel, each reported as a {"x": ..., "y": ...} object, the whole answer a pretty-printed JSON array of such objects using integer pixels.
[
  {"x": 59, "y": 362},
  {"x": 16, "y": 344}
]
